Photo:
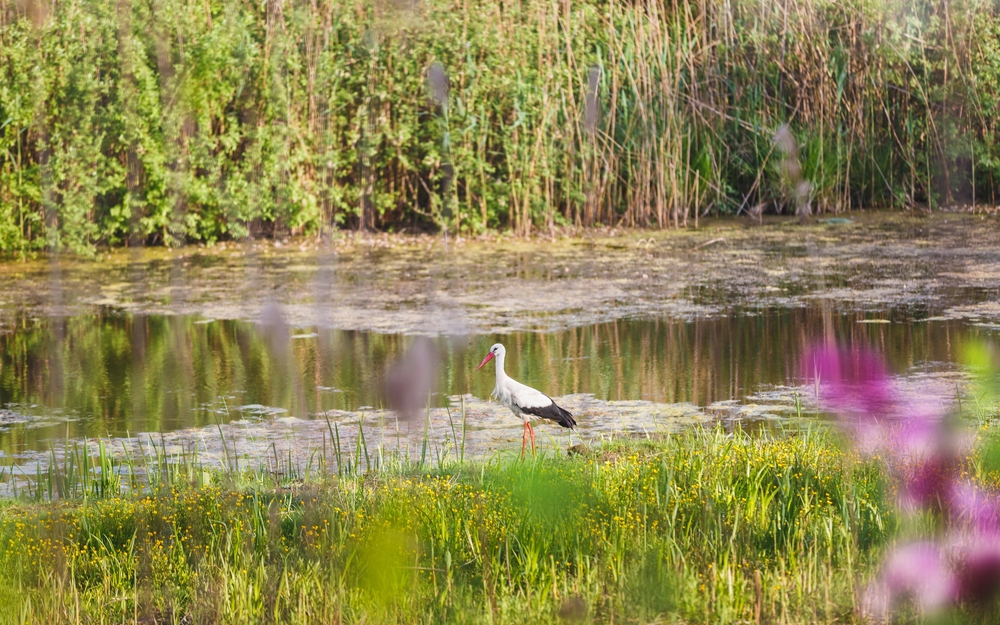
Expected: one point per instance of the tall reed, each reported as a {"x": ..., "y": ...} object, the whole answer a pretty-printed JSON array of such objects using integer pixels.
[{"x": 193, "y": 120}]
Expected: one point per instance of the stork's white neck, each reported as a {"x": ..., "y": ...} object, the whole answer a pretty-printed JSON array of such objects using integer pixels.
[
  {"x": 501, "y": 374},
  {"x": 500, "y": 390}
]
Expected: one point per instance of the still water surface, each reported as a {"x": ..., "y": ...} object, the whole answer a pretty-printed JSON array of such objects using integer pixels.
[{"x": 113, "y": 374}]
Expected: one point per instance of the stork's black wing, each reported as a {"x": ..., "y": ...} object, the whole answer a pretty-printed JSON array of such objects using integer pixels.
[{"x": 551, "y": 412}]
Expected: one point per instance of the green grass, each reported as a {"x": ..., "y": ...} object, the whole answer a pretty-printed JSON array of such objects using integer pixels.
[{"x": 699, "y": 527}]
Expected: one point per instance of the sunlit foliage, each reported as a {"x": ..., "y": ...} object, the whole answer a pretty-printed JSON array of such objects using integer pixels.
[{"x": 183, "y": 120}]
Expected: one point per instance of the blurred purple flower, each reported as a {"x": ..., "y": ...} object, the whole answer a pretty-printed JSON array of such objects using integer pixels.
[
  {"x": 853, "y": 383},
  {"x": 975, "y": 509},
  {"x": 978, "y": 570},
  {"x": 912, "y": 434},
  {"x": 918, "y": 435},
  {"x": 925, "y": 456},
  {"x": 916, "y": 572},
  {"x": 928, "y": 482}
]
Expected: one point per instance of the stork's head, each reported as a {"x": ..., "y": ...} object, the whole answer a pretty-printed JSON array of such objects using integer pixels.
[{"x": 497, "y": 351}]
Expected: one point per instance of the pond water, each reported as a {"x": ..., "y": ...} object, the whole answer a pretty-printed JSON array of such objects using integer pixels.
[
  {"x": 287, "y": 344},
  {"x": 115, "y": 375}
]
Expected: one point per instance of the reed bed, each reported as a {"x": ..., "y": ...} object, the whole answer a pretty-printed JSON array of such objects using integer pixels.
[
  {"x": 183, "y": 120},
  {"x": 700, "y": 527}
]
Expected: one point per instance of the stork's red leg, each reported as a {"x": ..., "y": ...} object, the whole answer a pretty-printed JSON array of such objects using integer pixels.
[
  {"x": 531, "y": 430},
  {"x": 524, "y": 439}
]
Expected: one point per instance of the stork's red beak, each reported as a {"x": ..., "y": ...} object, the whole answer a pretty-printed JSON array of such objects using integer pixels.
[{"x": 488, "y": 358}]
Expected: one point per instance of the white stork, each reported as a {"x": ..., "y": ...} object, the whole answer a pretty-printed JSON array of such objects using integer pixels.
[{"x": 523, "y": 400}]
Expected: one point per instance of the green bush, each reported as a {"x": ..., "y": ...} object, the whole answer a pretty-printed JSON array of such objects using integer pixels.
[{"x": 180, "y": 120}]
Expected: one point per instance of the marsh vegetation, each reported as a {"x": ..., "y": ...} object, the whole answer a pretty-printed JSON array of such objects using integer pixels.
[
  {"x": 177, "y": 121},
  {"x": 698, "y": 527},
  {"x": 780, "y": 421}
]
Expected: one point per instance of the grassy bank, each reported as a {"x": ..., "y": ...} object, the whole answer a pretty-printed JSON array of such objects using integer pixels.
[
  {"x": 176, "y": 120},
  {"x": 700, "y": 527}
]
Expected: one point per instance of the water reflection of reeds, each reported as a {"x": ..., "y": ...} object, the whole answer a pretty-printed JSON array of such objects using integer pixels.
[{"x": 114, "y": 374}]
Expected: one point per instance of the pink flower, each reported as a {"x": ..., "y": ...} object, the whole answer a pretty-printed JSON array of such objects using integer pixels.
[
  {"x": 918, "y": 435},
  {"x": 928, "y": 482},
  {"x": 912, "y": 434},
  {"x": 852, "y": 383},
  {"x": 978, "y": 570},
  {"x": 916, "y": 572},
  {"x": 975, "y": 509}
]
